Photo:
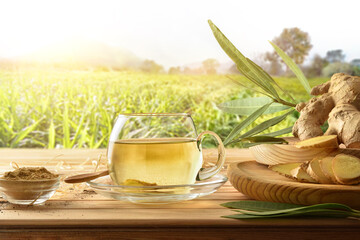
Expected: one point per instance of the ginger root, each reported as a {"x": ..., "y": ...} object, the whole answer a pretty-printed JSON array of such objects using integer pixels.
[{"x": 339, "y": 103}]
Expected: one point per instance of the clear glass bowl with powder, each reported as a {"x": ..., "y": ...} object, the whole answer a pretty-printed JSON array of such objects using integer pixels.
[{"x": 28, "y": 188}]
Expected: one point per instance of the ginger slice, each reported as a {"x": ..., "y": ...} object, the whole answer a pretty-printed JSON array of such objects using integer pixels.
[
  {"x": 293, "y": 171},
  {"x": 285, "y": 168},
  {"x": 301, "y": 175},
  {"x": 314, "y": 170},
  {"x": 328, "y": 141},
  {"x": 346, "y": 169},
  {"x": 326, "y": 168}
]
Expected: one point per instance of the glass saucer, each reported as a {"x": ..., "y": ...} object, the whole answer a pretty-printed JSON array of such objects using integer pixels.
[{"x": 156, "y": 194}]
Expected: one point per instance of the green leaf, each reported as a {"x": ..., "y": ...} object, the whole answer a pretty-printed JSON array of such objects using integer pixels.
[
  {"x": 259, "y": 205},
  {"x": 294, "y": 68},
  {"x": 84, "y": 135},
  {"x": 24, "y": 133},
  {"x": 247, "y": 106},
  {"x": 80, "y": 126},
  {"x": 264, "y": 139},
  {"x": 243, "y": 65},
  {"x": 66, "y": 129},
  {"x": 334, "y": 206},
  {"x": 105, "y": 115},
  {"x": 260, "y": 77},
  {"x": 236, "y": 81},
  {"x": 269, "y": 78},
  {"x": 278, "y": 133},
  {"x": 98, "y": 144},
  {"x": 250, "y": 144},
  {"x": 246, "y": 123},
  {"x": 305, "y": 213},
  {"x": 51, "y": 143},
  {"x": 265, "y": 125},
  {"x": 260, "y": 209},
  {"x": 37, "y": 142},
  {"x": 95, "y": 131}
]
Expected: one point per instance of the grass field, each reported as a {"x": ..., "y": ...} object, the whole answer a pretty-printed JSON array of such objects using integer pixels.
[{"x": 76, "y": 109}]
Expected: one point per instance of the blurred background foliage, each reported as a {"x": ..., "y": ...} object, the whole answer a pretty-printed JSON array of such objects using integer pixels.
[{"x": 76, "y": 109}]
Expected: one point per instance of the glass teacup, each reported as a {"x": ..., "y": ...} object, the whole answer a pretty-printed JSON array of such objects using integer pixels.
[{"x": 152, "y": 149}]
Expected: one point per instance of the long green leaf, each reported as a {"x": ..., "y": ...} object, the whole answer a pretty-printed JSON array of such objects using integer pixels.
[
  {"x": 259, "y": 77},
  {"x": 105, "y": 115},
  {"x": 37, "y": 142},
  {"x": 253, "y": 79},
  {"x": 51, "y": 142},
  {"x": 80, "y": 125},
  {"x": 264, "y": 139},
  {"x": 265, "y": 125},
  {"x": 251, "y": 144},
  {"x": 252, "y": 89},
  {"x": 95, "y": 131},
  {"x": 278, "y": 133},
  {"x": 72, "y": 124},
  {"x": 66, "y": 128},
  {"x": 294, "y": 68},
  {"x": 303, "y": 209},
  {"x": 84, "y": 135},
  {"x": 241, "y": 62},
  {"x": 269, "y": 78},
  {"x": 98, "y": 144},
  {"x": 260, "y": 209},
  {"x": 259, "y": 206},
  {"x": 246, "y": 123},
  {"x": 305, "y": 213},
  {"x": 263, "y": 73},
  {"x": 247, "y": 106},
  {"x": 77, "y": 132}
]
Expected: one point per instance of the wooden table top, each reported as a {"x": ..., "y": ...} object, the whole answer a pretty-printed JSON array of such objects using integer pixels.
[{"x": 75, "y": 211}]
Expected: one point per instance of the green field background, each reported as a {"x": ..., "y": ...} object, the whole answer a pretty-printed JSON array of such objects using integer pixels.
[{"x": 76, "y": 109}]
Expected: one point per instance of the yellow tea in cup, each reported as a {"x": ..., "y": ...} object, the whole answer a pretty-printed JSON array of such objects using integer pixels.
[
  {"x": 160, "y": 161},
  {"x": 149, "y": 149}
]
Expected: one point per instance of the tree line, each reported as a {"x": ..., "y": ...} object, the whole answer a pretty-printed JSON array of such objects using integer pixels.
[{"x": 297, "y": 44}]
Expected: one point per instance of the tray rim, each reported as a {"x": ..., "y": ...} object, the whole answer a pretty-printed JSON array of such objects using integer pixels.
[{"x": 235, "y": 166}]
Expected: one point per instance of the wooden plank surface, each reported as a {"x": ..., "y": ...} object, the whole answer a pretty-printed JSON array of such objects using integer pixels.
[{"x": 76, "y": 211}]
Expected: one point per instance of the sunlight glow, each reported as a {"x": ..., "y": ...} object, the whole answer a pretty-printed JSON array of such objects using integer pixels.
[
  {"x": 176, "y": 32},
  {"x": 31, "y": 28}
]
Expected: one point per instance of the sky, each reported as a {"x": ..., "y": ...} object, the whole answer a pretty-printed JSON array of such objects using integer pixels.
[{"x": 176, "y": 32}]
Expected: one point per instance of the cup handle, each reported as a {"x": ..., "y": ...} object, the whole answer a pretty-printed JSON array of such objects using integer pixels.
[{"x": 206, "y": 173}]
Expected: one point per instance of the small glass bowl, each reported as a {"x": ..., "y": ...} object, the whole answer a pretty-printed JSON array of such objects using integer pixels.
[
  {"x": 156, "y": 194},
  {"x": 28, "y": 192}
]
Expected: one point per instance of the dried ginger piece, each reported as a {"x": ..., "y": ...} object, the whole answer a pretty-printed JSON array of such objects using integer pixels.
[{"x": 134, "y": 182}]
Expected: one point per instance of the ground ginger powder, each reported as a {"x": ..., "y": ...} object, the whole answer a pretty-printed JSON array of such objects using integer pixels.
[{"x": 30, "y": 173}]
